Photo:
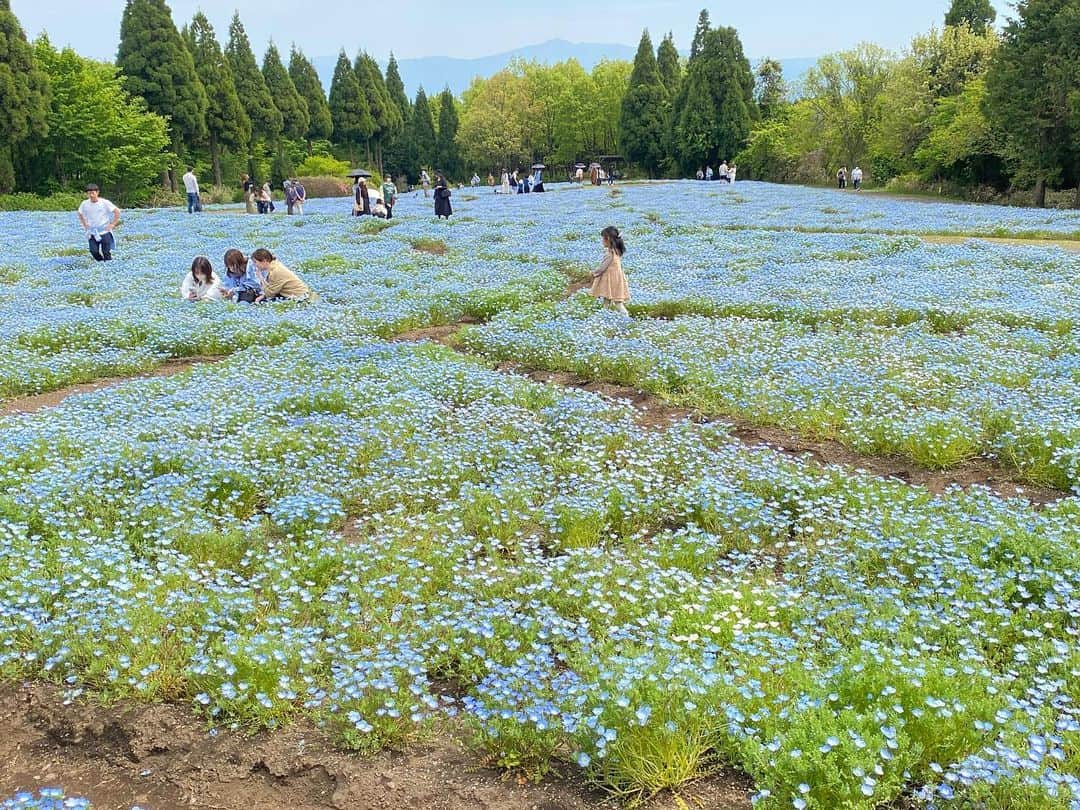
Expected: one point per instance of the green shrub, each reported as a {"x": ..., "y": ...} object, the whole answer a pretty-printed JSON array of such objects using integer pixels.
[
  {"x": 322, "y": 166},
  {"x": 23, "y": 201}
]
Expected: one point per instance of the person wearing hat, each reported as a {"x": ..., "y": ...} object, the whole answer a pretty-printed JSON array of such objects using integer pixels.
[
  {"x": 389, "y": 195},
  {"x": 98, "y": 217}
]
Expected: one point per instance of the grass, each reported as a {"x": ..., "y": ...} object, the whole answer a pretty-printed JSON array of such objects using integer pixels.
[{"x": 435, "y": 247}]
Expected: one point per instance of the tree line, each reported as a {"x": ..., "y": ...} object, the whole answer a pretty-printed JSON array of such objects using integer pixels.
[{"x": 963, "y": 107}]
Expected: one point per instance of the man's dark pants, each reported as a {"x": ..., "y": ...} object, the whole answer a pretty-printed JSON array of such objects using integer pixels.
[{"x": 102, "y": 251}]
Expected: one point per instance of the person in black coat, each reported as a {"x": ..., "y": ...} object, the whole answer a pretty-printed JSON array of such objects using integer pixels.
[{"x": 442, "y": 198}]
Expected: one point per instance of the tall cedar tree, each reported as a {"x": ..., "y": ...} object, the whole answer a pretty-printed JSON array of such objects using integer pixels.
[
  {"x": 227, "y": 121},
  {"x": 770, "y": 89},
  {"x": 371, "y": 82},
  {"x": 447, "y": 152},
  {"x": 306, "y": 80},
  {"x": 642, "y": 120},
  {"x": 978, "y": 14},
  {"x": 24, "y": 94},
  {"x": 702, "y": 30},
  {"x": 291, "y": 105},
  {"x": 348, "y": 107},
  {"x": 1033, "y": 93},
  {"x": 266, "y": 120},
  {"x": 421, "y": 134},
  {"x": 158, "y": 66},
  {"x": 667, "y": 62},
  {"x": 396, "y": 151}
]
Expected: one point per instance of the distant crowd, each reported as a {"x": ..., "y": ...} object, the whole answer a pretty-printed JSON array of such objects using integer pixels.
[{"x": 724, "y": 174}]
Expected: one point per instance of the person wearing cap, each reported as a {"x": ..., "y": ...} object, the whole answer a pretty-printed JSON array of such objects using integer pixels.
[
  {"x": 389, "y": 195},
  {"x": 98, "y": 217}
]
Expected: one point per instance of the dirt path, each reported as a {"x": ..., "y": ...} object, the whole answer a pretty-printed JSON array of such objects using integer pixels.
[
  {"x": 50, "y": 399},
  {"x": 159, "y": 757},
  {"x": 1064, "y": 244}
]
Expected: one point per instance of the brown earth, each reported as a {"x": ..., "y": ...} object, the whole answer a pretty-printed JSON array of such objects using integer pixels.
[
  {"x": 50, "y": 399},
  {"x": 158, "y": 757}
]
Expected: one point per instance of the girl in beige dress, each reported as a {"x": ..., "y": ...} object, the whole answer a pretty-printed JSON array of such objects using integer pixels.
[{"x": 609, "y": 281}]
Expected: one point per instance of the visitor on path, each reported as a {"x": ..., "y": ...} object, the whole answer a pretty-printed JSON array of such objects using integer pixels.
[
  {"x": 491, "y": 180},
  {"x": 505, "y": 182},
  {"x": 279, "y": 283},
  {"x": 248, "y": 185},
  {"x": 700, "y": 174},
  {"x": 475, "y": 180},
  {"x": 722, "y": 172},
  {"x": 241, "y": 282},
  {"x": 731, "y": 172},
  {"x": 841, "y": 178},
  {"x": 389, "y": 195},
  {"x": 290, "y": 196},
  {"x": 191, "y": 185},
  {"x": 99, "y": 217},
  {"x": 609, "y": 280},
  {"x": 201, "y": 283},
  {"x": 708, "y": 173},
  {"x": 301, "y": 196},
  {"x": 266, "y": 199},
  {"x": 361, "y": 198},
  {"x": 425, "y": 181},
  {"x": 856, "y": 178},
  {"x": 379, "y": 209},
  {"x": 442, "y": 199}
]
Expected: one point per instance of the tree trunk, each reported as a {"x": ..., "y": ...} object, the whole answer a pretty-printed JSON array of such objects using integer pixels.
[
  {"x": 378, "y": 157},
  {"x": 1040, "y": 193},
  {"x": 1076, "y": 200},
  {"x": 215, "y": 158}
]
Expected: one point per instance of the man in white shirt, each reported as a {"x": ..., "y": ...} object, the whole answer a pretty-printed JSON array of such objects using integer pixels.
[
  {"x": 191, "y": 183},
  {"x": 98, "y": 217},
  {"x": 856, "y": 178}
]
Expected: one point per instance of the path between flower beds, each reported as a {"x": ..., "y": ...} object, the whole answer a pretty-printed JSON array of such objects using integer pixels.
[
  {"x": 654, "y": 412},
  {"x": 159, "y": 757},
  {"x": 50, "y": 399},
  {"x": 1064, "y": 244}
]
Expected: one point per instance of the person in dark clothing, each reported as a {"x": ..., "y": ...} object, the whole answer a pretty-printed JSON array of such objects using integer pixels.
[
  {"x": 363, "y": 199},
  {"x": 442, "y": 198}
]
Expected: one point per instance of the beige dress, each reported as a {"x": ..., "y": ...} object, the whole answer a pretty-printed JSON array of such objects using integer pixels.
[{"x": 611, "y": 281}]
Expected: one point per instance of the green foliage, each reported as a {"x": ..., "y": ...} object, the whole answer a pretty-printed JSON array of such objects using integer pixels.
[
  {"x": 978, "y": 15},
  {"x": 291, "y": 105},
  {"x": 24, "y": 94},
  {"x": 122, "y": 152},
  {"x": 157, "y": 66},
  {"x": 1033, "y": 93},
  {"x": 421, "y": 133},
  {"x": 395, "y": 151},
  {"x": 643, "y": 118},
  {"x": 770, "y": 89},
  {"x": 667, "y": 62},
  {"x": 959, "y": 145},
  {"x": 348, "y": 107},
  {"x": 266, "y": 120},
  {"x": 23, "y": 201},
  {"x": 447, "y": 153},
  {"x": 327, "y": 165},
  {"x": 306, "y": 80}
]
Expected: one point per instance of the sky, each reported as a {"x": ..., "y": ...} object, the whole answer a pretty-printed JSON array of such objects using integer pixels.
[{"x": 473, "y": 28}]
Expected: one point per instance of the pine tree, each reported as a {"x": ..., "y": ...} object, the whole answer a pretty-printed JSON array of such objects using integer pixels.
[
  {"x": 447, "y": 152},
  {"x": 158, "y": 66},
  {"x": 266, "y": 120},
  {"x": 378, "y": 102},
  {"x": 770, "y": 89},
  {"x": 421, "y": 133},
  {"x": 395, "y": 88},
  {"x": 291, "y": 105},
  {"x": 227, "y": 122},
  {"x": 702, "y": 30},
  {"x": 348, "y": 107},
  {"x": 306, "y": 80},
  {"x": 396, "y": 149},
  {"x": 667, "y": 62},
  {"x": 24, "y": 94},
  {"x": 642, "y": 121},
  {"x": 978, "y": 14}
]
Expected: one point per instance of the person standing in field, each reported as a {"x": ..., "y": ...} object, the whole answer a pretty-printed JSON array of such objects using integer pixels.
[
  {"x": 191, "y": 185},
  {"x": 362, "y": 197},
  {"x": 841, "y": 178},
  {"x": 99, "y": 217},
  {"x": 708, "y": 172},
  {"x": 248, "y": 185},
  {"x": 389, "y": 195},
  {"x": 301, "y": 196},
  {"x": 425, "y": 181},
  {"x": 290, "y": 197},
  {"x": 609, "y": 280},
  {"x": 856, "y": 178},
  {"x": 442, "y": 199}
]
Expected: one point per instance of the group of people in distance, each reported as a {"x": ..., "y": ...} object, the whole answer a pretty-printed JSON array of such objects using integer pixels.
[
  {"x": 260, "y": 199},
  {"x": 383, "y": 204},
  {"x": 725, "y": 174},
  {"x": 842, "y": 177},
  {"x": 517, "y": 182},
  {"x": 253, "y": 280}
]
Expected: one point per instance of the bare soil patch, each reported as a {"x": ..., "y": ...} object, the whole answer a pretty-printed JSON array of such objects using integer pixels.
[
  {"x": 159, "y": 757},
  {"x": 50, "y": 399}
]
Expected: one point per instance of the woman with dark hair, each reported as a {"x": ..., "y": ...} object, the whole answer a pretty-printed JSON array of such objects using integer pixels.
[
  {"x": 609, "y": 280},
  {"x": 442, "y": 198},
  {"x": 362, "y": 198},
  {"x": 279, "y": 283},
  {"x": 201, "y": 283},
  {"x": 239, "y": 282}
]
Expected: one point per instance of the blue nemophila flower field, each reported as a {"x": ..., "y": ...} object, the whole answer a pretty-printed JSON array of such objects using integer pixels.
[{"x": 387, "y": 537}]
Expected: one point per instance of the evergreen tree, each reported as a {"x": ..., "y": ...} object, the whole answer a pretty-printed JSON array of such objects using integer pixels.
[
  {"x": 396, "y": 150},
  {"x": 291, "y": 105},
  {"x": 348, "y": 107},
  {"x": 667, "y": 62},
  {"x": 642, "y": 121},
  {"x": 306, "y": 80},
  {"x": 702, "y": 30},
  {"x": 770, "y": 90},
  {"x": 24, "y": 94},
  {"x": 421, "y": 134},
  {"x": 383, "y": 112},
  {"x": 1033, "y": 93},
  {"x": 266, "y": 120},
  {"x": 447, "y": 152},
  {"x": 978, "y": 14},
  {"x": 227, "y": 122},
  {"x": 395, "y": 88},
  {"x": 158, "y": 67}
]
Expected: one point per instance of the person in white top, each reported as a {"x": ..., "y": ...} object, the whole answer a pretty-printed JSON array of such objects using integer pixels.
[
  {"x": 201, "y": 283},
  {"x": 732, "y": 169},
  {"x": 98, "y": 217},
  {"x": 505, "y": 182},
  {"x": 191, "y": 184},
  {"x": 722, "y": 172},
  {"x": 425, "y": 181},
  {"x": 856, "y": 178}
]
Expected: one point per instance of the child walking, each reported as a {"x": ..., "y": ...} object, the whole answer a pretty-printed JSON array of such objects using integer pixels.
[{"x": 609, "y": 281}]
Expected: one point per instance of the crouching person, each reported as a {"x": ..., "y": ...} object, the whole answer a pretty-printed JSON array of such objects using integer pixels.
[
  {"x": 278, "y": 282},
  {"x": 201, "y": 283},
  {"x": 240, "y": 282}
]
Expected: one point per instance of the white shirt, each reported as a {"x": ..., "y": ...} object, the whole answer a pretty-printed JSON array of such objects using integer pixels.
[
  {"x": 97, "y": 215},
  {"x": 856, "y": 174},
  {"x": 191, "y": 183},
  {"x": 202, "y": 290}
]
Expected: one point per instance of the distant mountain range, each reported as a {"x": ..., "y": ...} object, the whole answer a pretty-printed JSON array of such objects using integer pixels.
[{"x": 433, "y": 73}]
